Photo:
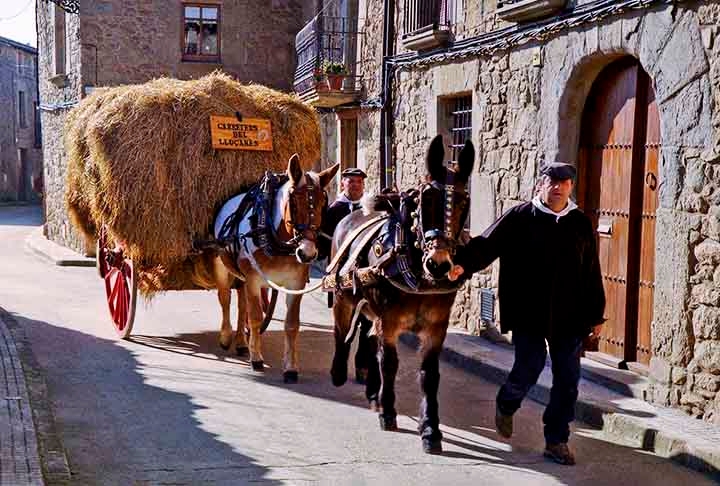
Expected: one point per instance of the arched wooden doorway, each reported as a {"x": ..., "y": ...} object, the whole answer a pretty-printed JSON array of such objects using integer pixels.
[{"x": 618, "y": 188}]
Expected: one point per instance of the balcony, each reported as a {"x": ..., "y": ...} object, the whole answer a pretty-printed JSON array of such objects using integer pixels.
[
  {"x": 326, "y": 74},
  {"x": 527, "y": 10},
  {"x": 427, "y": 23}
]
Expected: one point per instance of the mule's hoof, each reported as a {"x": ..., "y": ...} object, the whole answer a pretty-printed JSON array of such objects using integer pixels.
[
  {"x": 388, "y": 423},
  {"x": 224, "y": 346},
  {"x": 338, "y": 378},
  {"x": 290, "y": 377},
  {"x": 361, "y": 376},
  {"x": 258, "y": 365},
  {"x": 242, "y": 351},
  {"x": 432, "y": 446}
]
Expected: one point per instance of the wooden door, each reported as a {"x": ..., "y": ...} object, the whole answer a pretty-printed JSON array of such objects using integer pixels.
[
  {"x": 613, "y": 160},
  {"x": 650, "y": 184}
]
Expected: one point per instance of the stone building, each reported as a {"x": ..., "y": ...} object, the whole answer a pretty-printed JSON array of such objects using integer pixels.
[
  {"x": 20, "y": 152},
  {"x": 88, "y": 44},
  {"x": 629, "y": 91}
]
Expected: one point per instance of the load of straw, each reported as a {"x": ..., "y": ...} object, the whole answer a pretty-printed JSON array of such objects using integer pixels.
[{"x": 141, "y": 163}]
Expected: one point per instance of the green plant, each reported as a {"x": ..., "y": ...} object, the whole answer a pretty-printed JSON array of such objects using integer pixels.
[{"x": 332, "y": 67}]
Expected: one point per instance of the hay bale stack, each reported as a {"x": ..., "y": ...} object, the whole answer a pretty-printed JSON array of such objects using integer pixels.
[{"x": 141, "y": 160}]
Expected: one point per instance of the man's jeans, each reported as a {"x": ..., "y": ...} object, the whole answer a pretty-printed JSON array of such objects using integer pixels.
[{"x": 530, "y": 355}]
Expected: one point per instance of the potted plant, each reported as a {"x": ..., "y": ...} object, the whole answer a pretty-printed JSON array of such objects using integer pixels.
[
  {"x": 335, "y": 72},
  {"x": 321, "y": 83}
]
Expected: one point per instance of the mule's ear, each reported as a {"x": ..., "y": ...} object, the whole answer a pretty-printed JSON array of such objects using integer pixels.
[
  {"x": 435, "y": 160},
  {"x": 294, "y": 171},
  {"x": 328, "y": 174},
  {"x": 466, "y": 161}
]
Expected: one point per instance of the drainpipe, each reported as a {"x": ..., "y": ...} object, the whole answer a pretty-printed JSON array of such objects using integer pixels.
[{"x": 387, "y": 172}]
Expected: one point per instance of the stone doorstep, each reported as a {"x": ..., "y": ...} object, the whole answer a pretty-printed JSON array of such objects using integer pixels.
[
  {"x": 57, "y": 254},
  {"x": 609, "y": 399}
]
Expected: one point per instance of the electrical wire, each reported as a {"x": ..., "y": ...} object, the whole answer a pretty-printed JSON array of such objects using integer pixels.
[{"x": 3, "y": 19}]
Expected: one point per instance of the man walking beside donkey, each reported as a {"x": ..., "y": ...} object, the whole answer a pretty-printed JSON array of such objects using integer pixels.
[{"x": 550, "y": 289}]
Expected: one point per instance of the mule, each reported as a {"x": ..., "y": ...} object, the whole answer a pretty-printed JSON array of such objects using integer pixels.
[
  {"x": 398, "y": 270},
  {"x": 293, "y": 214}
]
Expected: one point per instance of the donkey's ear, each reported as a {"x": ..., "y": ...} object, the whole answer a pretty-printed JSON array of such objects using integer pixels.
[
  {"x": 435, "y": 161},
  {"x": 466, "y": 161},
  {"x": 294, "y": 171},
  {"x": 328, "y": 174}
]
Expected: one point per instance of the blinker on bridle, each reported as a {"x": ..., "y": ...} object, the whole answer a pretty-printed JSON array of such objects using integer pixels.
[{"x": 427, "y": 239}]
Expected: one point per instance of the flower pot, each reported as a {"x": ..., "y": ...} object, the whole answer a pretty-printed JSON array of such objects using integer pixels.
[{"x": 335, "y": 81}]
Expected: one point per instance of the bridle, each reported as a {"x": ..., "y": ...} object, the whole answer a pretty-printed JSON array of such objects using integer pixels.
[
  {"x": 442, "y": 232},
  {"x": 304, "y": 211}
]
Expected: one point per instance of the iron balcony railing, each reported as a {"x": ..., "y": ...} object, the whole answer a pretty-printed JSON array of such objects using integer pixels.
[
  {"x": 427, "y": 15},
  {"x": 327, "y": 44}
]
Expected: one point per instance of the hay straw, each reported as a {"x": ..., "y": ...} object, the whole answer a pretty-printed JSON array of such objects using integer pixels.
[{"x": 141, "y": 162}]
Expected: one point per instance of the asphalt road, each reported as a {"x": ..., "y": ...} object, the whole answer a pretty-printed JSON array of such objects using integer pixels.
[{"x": 171, "y": 407}]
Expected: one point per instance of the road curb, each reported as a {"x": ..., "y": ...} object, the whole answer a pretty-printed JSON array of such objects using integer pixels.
[
  {"x": 54, "y": 253},
  {"x": 658, "y": 435},
  {"x": 53, "y": 459}
]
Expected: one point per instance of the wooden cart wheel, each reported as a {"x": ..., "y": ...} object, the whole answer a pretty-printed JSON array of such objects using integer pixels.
[{"x": 120, "y": 279}]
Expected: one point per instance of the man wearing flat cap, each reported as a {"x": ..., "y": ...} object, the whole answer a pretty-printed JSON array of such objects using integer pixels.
[
  {"x": 352, "y": 186},
  {"x": 550, "y": 289}
]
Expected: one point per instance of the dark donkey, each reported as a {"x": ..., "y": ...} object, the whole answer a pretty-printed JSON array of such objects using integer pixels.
[{"x": 393, "y": 262}]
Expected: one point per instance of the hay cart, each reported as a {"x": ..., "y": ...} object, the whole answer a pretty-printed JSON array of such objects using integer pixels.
[
  {"x": 120, "y": 279},
  {"x": 147, "y": 174}
]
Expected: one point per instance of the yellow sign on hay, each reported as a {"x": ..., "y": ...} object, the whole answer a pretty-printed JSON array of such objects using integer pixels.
[{"x": 249, "y": 134}]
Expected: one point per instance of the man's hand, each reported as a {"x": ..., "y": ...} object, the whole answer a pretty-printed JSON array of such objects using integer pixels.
[
  {"x": 596, "y": 330},
  {"x": 455, "y": 272}
]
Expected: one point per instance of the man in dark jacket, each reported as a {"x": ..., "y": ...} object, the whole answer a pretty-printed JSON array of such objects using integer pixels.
[
  {"x": 352, "y": 185},
  {"x": 550, "y": 288}
]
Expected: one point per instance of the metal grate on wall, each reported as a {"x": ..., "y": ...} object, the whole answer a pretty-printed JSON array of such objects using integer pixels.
[
  {"x": 460, "y": 118},
  {"x": 487, "y": 305}
]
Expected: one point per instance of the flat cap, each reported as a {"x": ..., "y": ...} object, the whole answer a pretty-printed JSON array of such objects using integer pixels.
[
  {"x": 558, "y": 170},
  {"x": 353, "y": 171}
]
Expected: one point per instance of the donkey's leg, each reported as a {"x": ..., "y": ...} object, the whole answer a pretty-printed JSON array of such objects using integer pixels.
[
  {"x": 388, "y": 369},
  {"x": 255, "y": 318},
  {"x": 342, "y": 315},
  {"x": 241, "y": 347},
  {"x": 223, "y": 280},
  {"x": 372, "y": 385},
  {"x": 429, "y": 379},
  {"x": 292, "y": 328}
]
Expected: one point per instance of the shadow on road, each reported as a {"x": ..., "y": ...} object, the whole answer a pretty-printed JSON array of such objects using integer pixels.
[
  {"x": 118, "y": 429},
  {"x": 467, "y": 408}
]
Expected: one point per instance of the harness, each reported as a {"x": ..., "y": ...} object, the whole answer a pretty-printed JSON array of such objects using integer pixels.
[
  {"x": 259, "y": 203},
  {"x": 395, "y": 242}
]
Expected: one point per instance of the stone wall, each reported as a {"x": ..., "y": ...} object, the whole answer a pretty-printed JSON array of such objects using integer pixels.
[
  {"x": 527, "y": 107},
  {"x": 17, "y": 73},
  {"x": 134, "y": 41},
  {"x": 58, "y": 93}
]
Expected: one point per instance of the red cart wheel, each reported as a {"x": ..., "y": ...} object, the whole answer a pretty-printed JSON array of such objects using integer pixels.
[{"x": 120, "y": 279}]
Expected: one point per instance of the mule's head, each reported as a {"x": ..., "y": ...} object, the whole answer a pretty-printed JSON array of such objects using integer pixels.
[
  {"x": 303, "y": 206},
  {"x": 443, "y": 207}
]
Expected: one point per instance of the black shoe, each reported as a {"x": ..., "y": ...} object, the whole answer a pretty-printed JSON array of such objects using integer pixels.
[
  {"x": 503, "y": 424},
  {"x": 559, "y": 453}
]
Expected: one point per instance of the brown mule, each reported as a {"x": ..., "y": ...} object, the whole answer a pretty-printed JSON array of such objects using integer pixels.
[{"x": 411, "y": 291}]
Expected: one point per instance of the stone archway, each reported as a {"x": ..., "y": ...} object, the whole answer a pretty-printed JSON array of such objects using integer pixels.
[{"x": 668, "y": 44}]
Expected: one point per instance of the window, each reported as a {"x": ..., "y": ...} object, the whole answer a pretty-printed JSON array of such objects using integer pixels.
[
  {"x": 455, "y": 124},
  {"x": 21, "y": 109},
  {"x": 38, "y": 132},
  {"x": 460, "y": 118},
  {"x": 59, "y": 14},
  {"x": 201, "y": 39}
]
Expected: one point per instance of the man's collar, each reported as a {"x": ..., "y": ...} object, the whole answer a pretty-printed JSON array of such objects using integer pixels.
[{"x": 538, "y": 203}]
